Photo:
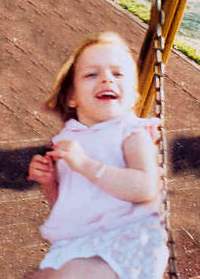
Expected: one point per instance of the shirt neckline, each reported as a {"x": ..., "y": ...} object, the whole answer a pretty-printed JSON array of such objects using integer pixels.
[{"x": 75, "y": 125}]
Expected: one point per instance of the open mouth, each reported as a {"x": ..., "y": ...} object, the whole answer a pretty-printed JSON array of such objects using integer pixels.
[{"x": 107, "y": 95}]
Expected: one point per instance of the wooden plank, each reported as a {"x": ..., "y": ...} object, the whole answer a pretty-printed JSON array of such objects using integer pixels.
[
  {"x": 170, "y": 30},
  {"x": 173, "y": 16}
]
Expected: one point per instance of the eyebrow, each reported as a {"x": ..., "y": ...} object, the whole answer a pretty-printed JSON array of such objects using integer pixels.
[{"x": 98, "y": 66}]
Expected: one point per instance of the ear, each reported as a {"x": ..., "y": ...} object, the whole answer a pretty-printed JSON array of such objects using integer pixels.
[
  {"x": 71, "y": 103},
  {"x": 71, "y": 100}
]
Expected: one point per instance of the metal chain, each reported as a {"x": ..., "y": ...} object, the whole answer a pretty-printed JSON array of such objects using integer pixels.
[{"x": 159, "y": 45}]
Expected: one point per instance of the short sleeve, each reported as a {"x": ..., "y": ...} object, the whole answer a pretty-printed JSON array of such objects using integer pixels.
[
  {"x": 135, "y": 124},
  {"x": 62, "y": 135}
]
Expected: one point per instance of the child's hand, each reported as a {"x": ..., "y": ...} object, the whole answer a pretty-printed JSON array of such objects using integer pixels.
[
  {"x": 154, "y": 132},
  {"x": 42, "y": 170},
  {"x": 71, "y": 152}
]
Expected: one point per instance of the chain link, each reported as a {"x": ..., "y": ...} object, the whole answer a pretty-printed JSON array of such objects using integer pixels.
[
  {"x": 159, "y": 67},
  {"x": 159, "y": 44}
]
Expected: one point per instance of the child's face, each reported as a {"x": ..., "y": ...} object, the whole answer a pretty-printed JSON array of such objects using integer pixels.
[{"x": 104, "y": 83}]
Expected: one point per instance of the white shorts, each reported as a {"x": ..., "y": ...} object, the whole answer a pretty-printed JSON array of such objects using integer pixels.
[{"x": 135, "y": 251}]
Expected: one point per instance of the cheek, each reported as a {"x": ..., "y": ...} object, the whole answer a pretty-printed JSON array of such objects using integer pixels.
[
  {"x": 127, "y": 86},
  {"x": 130, "y": 92},
  {"x": 86, "y": 86}
]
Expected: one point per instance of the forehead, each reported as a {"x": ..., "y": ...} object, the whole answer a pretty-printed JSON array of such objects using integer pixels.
[{"x": 105, "y": 54}]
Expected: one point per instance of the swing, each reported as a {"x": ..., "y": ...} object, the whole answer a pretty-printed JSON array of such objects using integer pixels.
[
  {"x": 173, "y": 12},
  {"x": 165, "y": 19}
]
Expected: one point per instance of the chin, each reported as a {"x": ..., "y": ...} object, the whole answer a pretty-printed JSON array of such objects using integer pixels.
[{"x": 109, "y": 115}]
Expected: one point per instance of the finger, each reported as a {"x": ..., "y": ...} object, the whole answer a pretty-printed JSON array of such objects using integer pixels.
[
  {"x": 50, "y": 161},
  {"x": 40, "y": 167},
  {"x": 56, "y": 154},
  {"x": 154, "y": 133},
  {"x": 39, "y": 176},
  {"x": 65, "y": 144},
  {"x": 40, "y": 159}
]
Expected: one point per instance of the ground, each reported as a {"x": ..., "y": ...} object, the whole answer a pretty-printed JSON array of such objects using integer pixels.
[{"x": 36, "y": 37}]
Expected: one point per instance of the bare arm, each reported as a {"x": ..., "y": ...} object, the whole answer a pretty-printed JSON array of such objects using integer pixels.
[{"x": 139, "y": 181}]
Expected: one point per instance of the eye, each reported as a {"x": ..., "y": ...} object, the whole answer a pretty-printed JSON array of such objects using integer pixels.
[
  {"x": 118, "y": 74},
  {"x": 90, "y": 75}
]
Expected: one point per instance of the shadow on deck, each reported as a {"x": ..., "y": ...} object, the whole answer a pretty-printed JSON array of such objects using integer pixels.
[{"x": 36, "y": 38}]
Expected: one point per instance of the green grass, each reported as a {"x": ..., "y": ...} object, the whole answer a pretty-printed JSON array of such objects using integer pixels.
[
  {"x": 140, "y": 10},
  {"x": 187, "y": 50},
  {"x": 143, "y": 12}
]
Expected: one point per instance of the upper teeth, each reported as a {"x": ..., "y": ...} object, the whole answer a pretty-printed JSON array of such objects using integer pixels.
[{"x": 107, "y": 93}]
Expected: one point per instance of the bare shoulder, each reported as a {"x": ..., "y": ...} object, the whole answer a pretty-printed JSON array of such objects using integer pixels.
[
  {"x": 140, "y": 139},
  {"x": 139, "y": 150}
]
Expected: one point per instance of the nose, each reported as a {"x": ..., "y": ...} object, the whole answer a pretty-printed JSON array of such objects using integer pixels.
[{"x": 107, "y": 77}]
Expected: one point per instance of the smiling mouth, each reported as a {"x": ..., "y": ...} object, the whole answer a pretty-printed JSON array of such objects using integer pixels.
[{"x": 107, "y": 95}]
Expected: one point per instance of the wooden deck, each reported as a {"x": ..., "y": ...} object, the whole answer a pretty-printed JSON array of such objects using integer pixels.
[{"x": 36, "y": 36}]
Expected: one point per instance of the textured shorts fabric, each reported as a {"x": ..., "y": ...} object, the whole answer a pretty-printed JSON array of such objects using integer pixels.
[{"x": 135, "y": 251}]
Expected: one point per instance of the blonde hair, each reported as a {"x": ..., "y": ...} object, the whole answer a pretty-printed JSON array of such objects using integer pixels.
[{"x": 64, "y": 80}]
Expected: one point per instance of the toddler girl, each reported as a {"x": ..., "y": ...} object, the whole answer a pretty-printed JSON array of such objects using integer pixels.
[{"x": 104, "y": 193}]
